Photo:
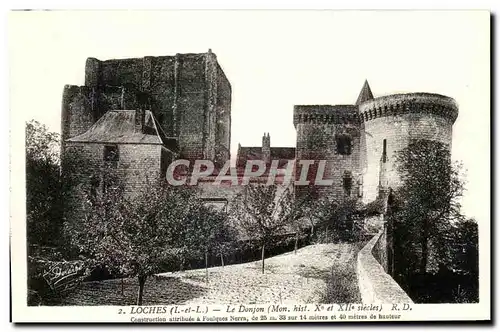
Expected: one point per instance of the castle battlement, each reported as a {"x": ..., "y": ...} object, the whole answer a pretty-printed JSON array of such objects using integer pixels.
[
  {"x": 364, "y": 138},
  {"x": 398, "y": 104},
  {"x": 325, "y": 114}
]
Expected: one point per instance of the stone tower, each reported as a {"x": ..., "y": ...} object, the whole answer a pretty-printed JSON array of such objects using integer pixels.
[
  {"x": 359, "y": 142},
  {"x": 390, "y": 123},
  {"x": 188, "y": 94},
  {"x": 330, "y": 133}
]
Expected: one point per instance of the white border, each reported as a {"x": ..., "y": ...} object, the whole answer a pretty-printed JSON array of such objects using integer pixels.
[{"x": 426, "y": 4}]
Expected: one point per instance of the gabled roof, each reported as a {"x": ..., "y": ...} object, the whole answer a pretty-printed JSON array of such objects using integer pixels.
[
  {"x": 365, "y": 94},
  {"x": 118, "y": 127},
  {"x": 249, "y": 153},
  {"x": 283, "y": 154}
]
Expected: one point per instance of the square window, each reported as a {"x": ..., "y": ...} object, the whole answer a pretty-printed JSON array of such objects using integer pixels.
[
  {"x": 111, "y": 153},
  {"x": 111, "y": 156},
  {"x": 343, "y": 144}
]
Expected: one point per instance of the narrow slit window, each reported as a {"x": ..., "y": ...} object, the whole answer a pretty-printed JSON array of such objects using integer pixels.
[
  {"x": 94, "y": 186},
  {"x": 384, "y": 151},
  {"x": 360, "y": 187},
  {"x": 347, "y": 183}
]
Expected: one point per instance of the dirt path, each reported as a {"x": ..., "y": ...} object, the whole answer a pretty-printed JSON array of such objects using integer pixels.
[
  {"x": 304, "y": 277},
  {"x": 323, "y": 273}
]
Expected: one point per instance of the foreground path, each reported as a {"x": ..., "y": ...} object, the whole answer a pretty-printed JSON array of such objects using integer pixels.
[
  {"x": 323, "y": 273},
  {"x": 310, "y": 276}
]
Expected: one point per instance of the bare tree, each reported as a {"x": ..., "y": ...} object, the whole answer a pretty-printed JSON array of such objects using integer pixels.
[
  {"x": 206, "y": 232},
  {"x": 266, "y": 211}
]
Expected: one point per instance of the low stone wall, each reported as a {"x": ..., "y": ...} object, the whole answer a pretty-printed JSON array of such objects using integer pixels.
[
  {"x": 375, "y": 285},
  {"x": 379, "y": 250}
]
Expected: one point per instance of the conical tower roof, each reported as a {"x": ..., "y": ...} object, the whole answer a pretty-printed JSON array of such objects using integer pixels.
[{"x": 365, "y": 94}]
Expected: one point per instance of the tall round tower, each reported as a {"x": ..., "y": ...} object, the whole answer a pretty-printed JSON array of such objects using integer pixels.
[{"x": 390, "y": 123}]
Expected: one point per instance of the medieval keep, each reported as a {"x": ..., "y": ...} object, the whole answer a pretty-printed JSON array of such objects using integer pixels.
[{"x": 140, "y": 114}]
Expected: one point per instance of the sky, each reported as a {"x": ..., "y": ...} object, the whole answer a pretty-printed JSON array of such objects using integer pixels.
[{"x": 275, "y": 60}]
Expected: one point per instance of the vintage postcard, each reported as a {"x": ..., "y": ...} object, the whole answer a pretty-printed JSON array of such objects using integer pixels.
[{"x": 250, "y": 166}]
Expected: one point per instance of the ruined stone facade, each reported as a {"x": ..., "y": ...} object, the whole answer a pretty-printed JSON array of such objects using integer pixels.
[{"x": 188, "y": 94}]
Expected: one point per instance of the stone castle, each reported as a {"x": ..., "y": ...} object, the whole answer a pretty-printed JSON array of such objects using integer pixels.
[
  {"x": 359, "y": 141},
  {"x": 141, "y": 114}
]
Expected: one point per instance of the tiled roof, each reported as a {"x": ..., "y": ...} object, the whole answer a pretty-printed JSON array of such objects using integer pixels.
[
  {"x": 119, "y": 127},
  {"x": 283, "y": 154}
]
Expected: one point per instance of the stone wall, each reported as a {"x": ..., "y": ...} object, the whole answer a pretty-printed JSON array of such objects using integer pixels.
[
  {"x": 77, "y": 114},
  {"x": 193, "y": 113},
  {"x": 223, "y": 191},
  {"x": 139, "y": 166},
  {"x": 223, "y": 122},
  {"x": 380, "y": 250},
  {"x": 80, "y": 162},
  {"x": 375, "y": 285}
]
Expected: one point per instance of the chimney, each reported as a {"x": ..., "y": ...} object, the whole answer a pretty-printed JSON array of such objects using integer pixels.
[
  {"x": 266, "y": 148},
  {"x": 122, "y": 99},
  {"x": 143, "y": 102},
  {"x": 140, "y": 118}
]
